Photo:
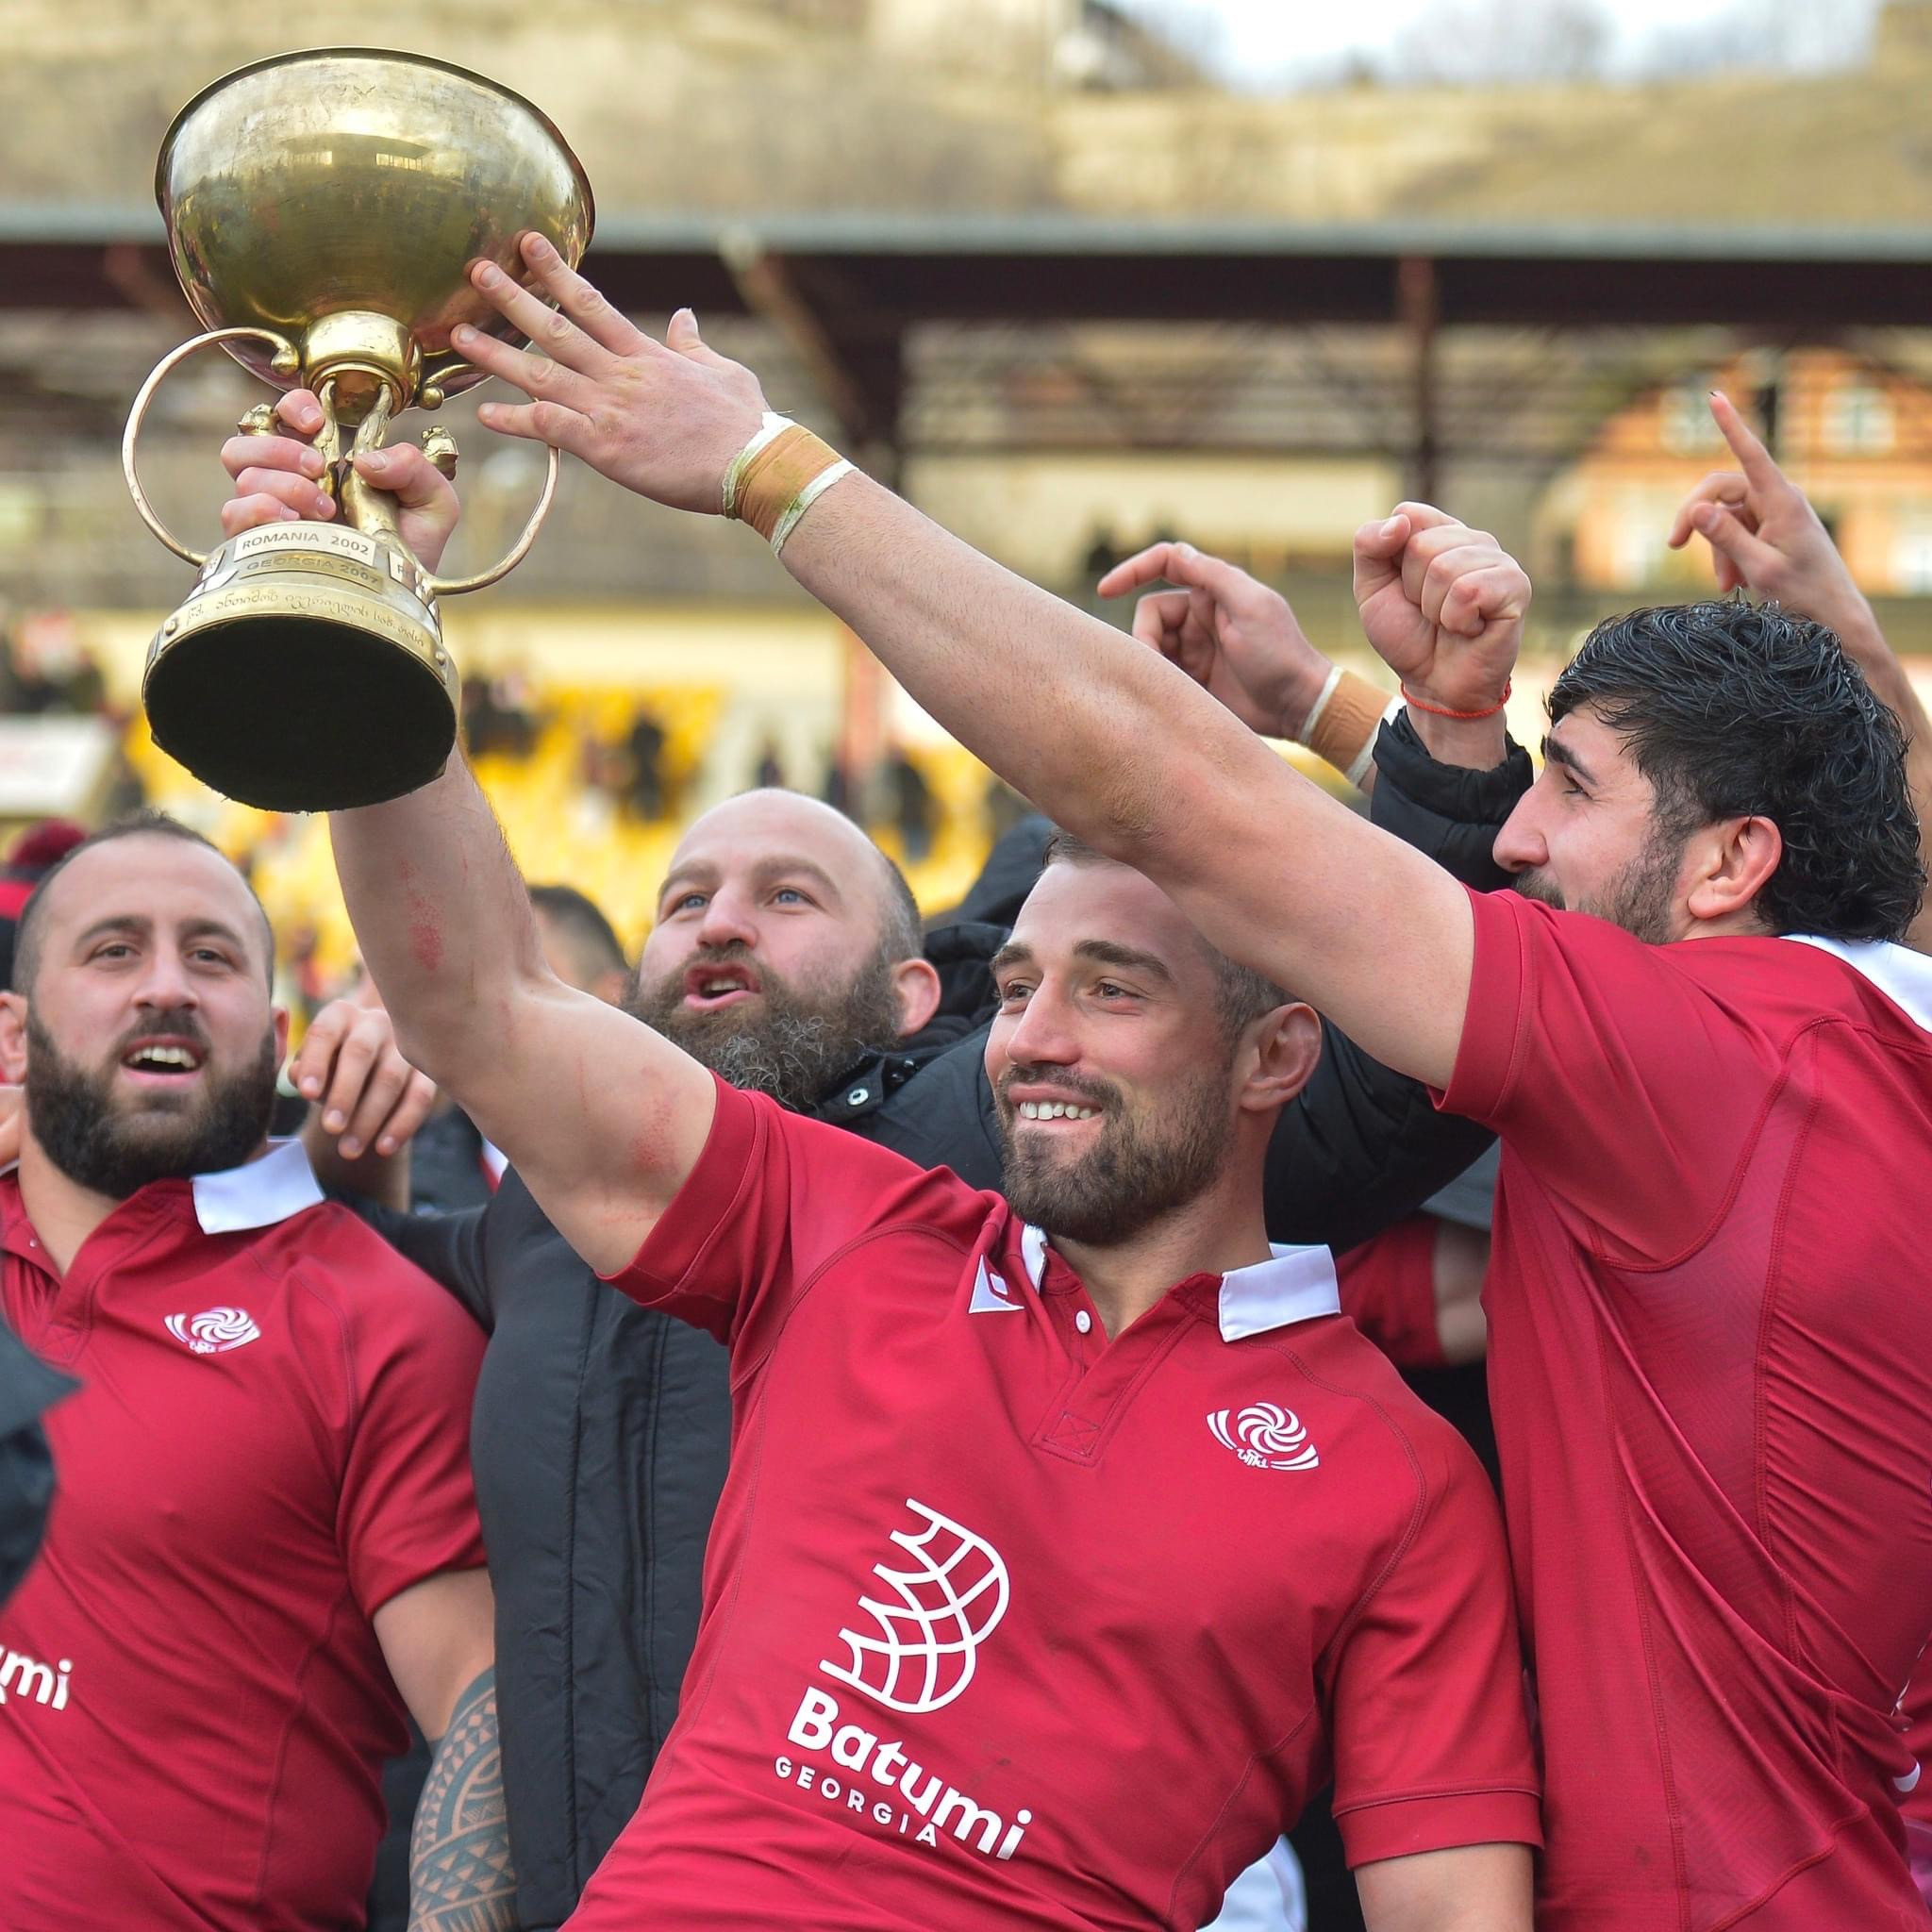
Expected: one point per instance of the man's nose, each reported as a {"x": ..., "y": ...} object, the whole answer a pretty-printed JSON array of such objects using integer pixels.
[
  {"x": 165, "y": 982},
  {"x": 1521, "y": 845},
  {"x": 1043, "y": 1037},
  {"x": 728, "y": 918}
]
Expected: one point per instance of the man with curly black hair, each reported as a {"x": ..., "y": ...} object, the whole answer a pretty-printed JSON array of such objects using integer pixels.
[{"x": 1710, "y": 1331}]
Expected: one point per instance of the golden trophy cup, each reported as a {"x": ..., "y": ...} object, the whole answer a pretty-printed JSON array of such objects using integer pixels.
[{"x": 321, "y": 210}]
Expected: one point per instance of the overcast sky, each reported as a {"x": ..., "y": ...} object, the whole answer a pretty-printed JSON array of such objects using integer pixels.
[{"x": 1271, "y": 41}]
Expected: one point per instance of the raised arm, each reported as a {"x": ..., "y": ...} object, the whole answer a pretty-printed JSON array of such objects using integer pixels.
[
  {"x": 603, "y": 1118},
  {"x": 1765, "y": 537},
  {"x": 1361, "y": 1145},
  {"x": 1110, "y": 741}
]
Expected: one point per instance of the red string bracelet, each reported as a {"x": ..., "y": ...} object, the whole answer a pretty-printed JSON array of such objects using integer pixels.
[{"x": 1443, "y": 710}]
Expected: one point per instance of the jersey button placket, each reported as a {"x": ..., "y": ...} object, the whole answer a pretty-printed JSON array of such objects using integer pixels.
[{"x": 1112, "y": 1371}]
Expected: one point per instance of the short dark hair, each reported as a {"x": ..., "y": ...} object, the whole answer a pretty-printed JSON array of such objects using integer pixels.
[
  {"x": 145, "y": 824},
  {"x": 1241, "y": 996},
  {"x": 902, "y": 934},
  {"x": 1734, "y": 710},
  {"x": 580, "y": 919}
]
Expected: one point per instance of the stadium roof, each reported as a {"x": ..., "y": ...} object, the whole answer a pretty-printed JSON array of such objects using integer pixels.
[{"x": 846, "y": 289}]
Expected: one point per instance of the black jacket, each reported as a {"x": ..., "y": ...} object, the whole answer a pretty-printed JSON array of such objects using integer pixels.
[
  {"x": 601, "y": 1429},
  {"x": 28, "y": 1389}
]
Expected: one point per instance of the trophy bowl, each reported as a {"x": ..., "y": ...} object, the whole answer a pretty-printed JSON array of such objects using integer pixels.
[
  {"x": 322, "y": 209},
  {"x": 354, "y": 181}
]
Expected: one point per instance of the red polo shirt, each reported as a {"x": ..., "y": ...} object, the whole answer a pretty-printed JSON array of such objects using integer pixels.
[
  {"x": 1710, "y": 1367},
  {"x": 1009, "y": 1624},
  {"x": 270, "y": 1442}
]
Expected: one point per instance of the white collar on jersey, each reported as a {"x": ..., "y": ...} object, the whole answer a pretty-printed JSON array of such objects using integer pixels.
[
  {"x": 1294, "y": 1284},
  {"x": 258, "y": 1194},
  {"x": 1904, "y": 977}
]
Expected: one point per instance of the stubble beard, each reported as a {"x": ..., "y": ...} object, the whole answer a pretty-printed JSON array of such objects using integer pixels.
[
  {"x": 1132, "y": 1176},
  {"x": 1642, "y": 899}
]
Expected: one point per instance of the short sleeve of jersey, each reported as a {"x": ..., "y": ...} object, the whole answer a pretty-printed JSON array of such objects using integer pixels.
[
  {"x": 1388, "y": 1290},
  {"x": 1615, "y": 1072},
  {"x": 774, "y": 1197},
  {"x": 1432, "y": 1746},
  {"x": 409, "y": 1506}
]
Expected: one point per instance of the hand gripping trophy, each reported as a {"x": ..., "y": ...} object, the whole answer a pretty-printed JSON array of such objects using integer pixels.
[{"x": 322, "y": 210}]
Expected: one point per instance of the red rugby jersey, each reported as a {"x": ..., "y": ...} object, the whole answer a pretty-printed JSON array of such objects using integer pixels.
[
  {"x": 1007, "y": 1624},
  {"x": 1710, "y": 1367},
  {"x": 270, "y": 1439},
  {"x": 1388, "y": 1291}
]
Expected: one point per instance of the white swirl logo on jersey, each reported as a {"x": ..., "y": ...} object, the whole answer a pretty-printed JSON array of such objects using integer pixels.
[
  {"x": 947, "y": 1603},
  {"x": 1265, "y": 1436},
  {"x": 214, "y": 1331}
]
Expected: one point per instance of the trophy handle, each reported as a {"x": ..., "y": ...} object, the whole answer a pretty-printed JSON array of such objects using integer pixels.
[
  {"x": 450, "y": 587},
  {"x": 288, "y": 361}
]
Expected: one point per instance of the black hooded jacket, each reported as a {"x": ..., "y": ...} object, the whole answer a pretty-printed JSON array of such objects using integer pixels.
[{"x": 601, "y": 1429}]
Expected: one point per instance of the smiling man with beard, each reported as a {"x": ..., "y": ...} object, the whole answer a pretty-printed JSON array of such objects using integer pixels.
[
  {"x": 266, "y": 1543},
  {"x": 784, "y": 938},
  {"x": 1022, "y": 1522}
]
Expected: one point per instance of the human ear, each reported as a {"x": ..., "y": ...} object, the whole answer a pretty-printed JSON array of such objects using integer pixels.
[
  {"x": 12, "y": 1039},
  {"x": 1286, "y": 1051},
  {"x": 1735, "y": 857},
  {"x": 916, "y": 987}
]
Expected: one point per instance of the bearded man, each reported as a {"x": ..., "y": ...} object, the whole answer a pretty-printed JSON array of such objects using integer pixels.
[
  {"x": 787, "y": 958},
  {"x": 265, "y": 1546}
]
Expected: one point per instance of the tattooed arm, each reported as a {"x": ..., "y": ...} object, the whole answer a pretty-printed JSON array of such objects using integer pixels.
[
  {"x": 438, "y": 1639},
  {"x": 459, "y": 1872}
]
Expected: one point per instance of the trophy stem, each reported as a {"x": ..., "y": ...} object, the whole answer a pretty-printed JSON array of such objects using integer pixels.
[
  {"x": 373, "y": 511},
  {"x": 366, "y": 356}
]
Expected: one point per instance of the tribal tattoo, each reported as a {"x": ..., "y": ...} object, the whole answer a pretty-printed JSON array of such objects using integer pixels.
[{"x": 461, "y": 1878}]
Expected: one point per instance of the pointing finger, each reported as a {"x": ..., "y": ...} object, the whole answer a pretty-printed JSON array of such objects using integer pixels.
[{"x": 1753, "y": 457}]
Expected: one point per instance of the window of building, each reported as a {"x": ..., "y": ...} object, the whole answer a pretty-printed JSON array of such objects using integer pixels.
[
  {"x": 1684, "y": 421},
  {"x": 1911, "y": 559},
  {"x": 1858, "y": 420}
]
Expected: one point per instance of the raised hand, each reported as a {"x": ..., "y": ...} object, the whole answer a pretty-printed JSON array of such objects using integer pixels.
[
  {"x": 1765, "y": 537},
  {"x": 366, "y": 1096},
  {"x": 278, "y": 479},
  {"x": 664, "y": 419},
  {"x": 1233, "y": 636},
  {"x": 1443, "y": 604}
]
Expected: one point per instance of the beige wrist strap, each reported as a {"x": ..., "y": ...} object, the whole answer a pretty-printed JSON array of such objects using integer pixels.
[
  {"x": 1341, "y": 726},
  {"x": 777, "y": 476}
]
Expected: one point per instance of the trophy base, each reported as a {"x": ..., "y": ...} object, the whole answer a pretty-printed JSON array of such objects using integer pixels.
[{"x": 305, "y": 673}]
